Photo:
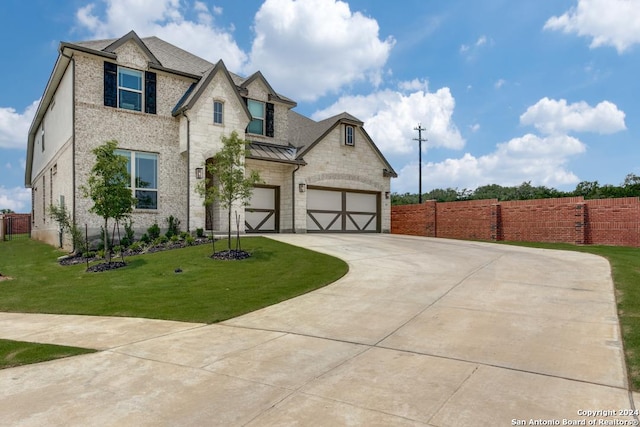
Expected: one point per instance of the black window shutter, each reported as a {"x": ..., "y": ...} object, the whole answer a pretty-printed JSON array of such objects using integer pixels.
[
  {"x": 150, "y": 92},
  {"x": 110, "y": 84},
  {"x": 270, "y": 119}
]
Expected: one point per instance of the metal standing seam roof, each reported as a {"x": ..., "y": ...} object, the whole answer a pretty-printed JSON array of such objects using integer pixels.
[{"x": 274, "y": 153}]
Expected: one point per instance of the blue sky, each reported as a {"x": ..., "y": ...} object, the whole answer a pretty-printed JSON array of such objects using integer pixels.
[{"x": 509, "y": 91}]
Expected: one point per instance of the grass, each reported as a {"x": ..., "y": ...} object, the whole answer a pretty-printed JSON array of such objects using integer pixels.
[
  {"x": 206, "y": 291},
  {"x": 625, "y": 269},
  {"x": 16, "y": 353}
]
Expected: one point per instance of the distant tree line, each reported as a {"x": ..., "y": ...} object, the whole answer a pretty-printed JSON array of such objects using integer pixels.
[{"x": 525, "y": 191}]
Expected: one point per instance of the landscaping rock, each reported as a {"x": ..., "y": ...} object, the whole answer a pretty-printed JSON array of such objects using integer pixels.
[
  {"x": 106, "y": 266},
  {"x": 231, "y": 255}
]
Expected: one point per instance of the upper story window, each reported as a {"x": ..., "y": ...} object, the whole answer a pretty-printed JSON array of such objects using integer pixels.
[
  {"x": 143, "y": 169},
  {"x": 349, "y": 135},
  {"x": 256, "y": 108},
  {"x": 129, "y": 89},
  {"x": 218, "y": 112}
]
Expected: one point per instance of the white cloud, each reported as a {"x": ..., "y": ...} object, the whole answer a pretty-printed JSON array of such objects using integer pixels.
[
  {"x": 474, "y": 127},
  {"x": 470, "y": 50},
  {"x": 165, "y": 19},
  {"x": 14, "y": 126},
  {"x": 390, "y": 118},
  {"x": 608, "y": 22},
  {"x": 541, "y": 160},
  {"x": 499, "y": 83},
  {"x": 551, "y": 117},
  {"x": 8, "y": 165},
  {"x": 17, "y": 199},
  {"x": 415, "y": 84},
  {"x": 309, "y": 48}
]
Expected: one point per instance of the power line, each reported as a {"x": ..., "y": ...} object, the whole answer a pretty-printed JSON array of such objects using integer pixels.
[{"x": 420, "y": 139}]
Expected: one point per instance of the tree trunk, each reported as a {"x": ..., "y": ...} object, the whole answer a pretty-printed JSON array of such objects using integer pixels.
[
  {"x": 229, "y": 229},
  {"x": 107, "y": 250}
]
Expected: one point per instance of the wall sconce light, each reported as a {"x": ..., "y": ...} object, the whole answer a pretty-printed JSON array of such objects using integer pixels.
[
  {"x": 387, "y": 195},
  {"x": 199, "y": 173},
  {"x": 302, "y": 187}
]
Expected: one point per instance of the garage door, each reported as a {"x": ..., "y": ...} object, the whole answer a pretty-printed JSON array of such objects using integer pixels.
[
  {"x": 332, "y": 210},
  {"x": 261, "y": 215}
]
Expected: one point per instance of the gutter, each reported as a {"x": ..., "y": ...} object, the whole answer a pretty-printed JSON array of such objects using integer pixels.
[
  {"x": 184, "y": 114},
  {"x": 293, "y": 199}
]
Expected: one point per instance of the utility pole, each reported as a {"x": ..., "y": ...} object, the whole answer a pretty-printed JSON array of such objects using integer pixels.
[{"x": 419, "y": 139}]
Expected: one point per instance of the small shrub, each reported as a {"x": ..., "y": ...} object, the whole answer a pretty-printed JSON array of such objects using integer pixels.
[
  {"x": 129, "y": 235},
  {"x": 175, "y": 238},
  {"x": 89, "y": 254},
  {"x": 154, "y": 231},
  {"x": 184, "y": 235},
  {"x": 145, "y": 238},
  {"x": 117, "y": 249},
  {"x": 160, "y": 240},
  {"x": 135, "y": 246},
  {"x": 173, "y": 226},
  {"x": 200, "y": 232},
  {"x": 190, "y": 240},
  {"x": 100, "y": 253}
]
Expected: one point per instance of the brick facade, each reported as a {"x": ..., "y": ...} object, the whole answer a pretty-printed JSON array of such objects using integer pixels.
[{"x": 569, "y": 220}]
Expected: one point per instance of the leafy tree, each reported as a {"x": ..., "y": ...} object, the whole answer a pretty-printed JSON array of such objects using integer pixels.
[
  {"x": 231, "y": 183},
  {"x": 108, "y": 187},
  {"x": 6, "y": 211}
]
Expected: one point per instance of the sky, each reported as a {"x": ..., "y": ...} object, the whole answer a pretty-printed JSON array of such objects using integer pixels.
[{"x": 539, "y": 91}]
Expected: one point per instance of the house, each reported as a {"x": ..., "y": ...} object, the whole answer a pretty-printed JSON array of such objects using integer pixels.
[{"x": 168, "y": 109}]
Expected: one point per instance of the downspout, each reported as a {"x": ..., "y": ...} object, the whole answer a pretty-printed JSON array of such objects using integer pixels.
[
  {"x": 188, "y": 171},
  {"x": 73, "y": 141},
  {"x": 293, "y": 199}
]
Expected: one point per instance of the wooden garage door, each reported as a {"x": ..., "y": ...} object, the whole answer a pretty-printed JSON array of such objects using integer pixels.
[
  {"x": 261, "y": 215},
  {"x": 333, "y": 210}
]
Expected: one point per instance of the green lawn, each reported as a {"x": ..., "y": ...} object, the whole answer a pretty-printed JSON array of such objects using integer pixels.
[
  {"x": 625, "y": 267},
  {"x": 206, "y": 291},
  {"x": 16, "y": 353}
]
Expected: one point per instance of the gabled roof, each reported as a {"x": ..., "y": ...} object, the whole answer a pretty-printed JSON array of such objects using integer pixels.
[
  {"x": 273, "y": 95},
  {"x": 193, "y": 93},
  {"x": 306, "y": 133},
  {"x": 132, "y": 36},
  {"x": 163, "y": 55}
]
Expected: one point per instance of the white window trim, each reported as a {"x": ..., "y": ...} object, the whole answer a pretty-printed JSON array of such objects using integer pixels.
[
  {"x": 349, "y": 141},
  {"x": 217, "y": 101},
  {"x": 141, "y": 91},
  {"x": 132, "y": 183},
  {"x": 263, "y": 118}
]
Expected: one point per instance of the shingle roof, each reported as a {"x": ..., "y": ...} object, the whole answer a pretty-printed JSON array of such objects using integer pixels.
[{"x": 169, "y": 56}]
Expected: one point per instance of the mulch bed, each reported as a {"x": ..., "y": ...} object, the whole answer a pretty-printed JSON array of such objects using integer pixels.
[
  {"x": 231, "y": 255},
  {"x": 104, "y": 266}
]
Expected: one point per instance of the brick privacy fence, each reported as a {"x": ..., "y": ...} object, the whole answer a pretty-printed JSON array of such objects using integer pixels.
[{"x": 568, "y": 219}]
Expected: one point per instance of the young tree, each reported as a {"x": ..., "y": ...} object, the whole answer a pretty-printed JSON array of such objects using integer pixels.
[
  {"x": 231, "y": 182},
  {"x": 108, "y": 187}
]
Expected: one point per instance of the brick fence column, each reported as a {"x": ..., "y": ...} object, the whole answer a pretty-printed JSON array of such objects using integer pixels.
[
  {"x": 496, "y": 222},
  {"x": 580, "y": 223},
  {"x": 431, "y": 218}
]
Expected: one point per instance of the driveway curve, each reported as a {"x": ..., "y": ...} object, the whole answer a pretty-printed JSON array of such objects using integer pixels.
[{"x": 422, "y": 332}]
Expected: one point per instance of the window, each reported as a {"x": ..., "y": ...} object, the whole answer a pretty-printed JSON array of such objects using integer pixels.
[
  {"x": 123, "y": 88},
  {"x": 143, "y": 168},
  {"x": 129, "y": 89},
  {"x": 349, "y": 137},
  {"x": 218, "y": 110},
  {"x": 42, "y": 134},
  {"x": 256, "y": 109}
]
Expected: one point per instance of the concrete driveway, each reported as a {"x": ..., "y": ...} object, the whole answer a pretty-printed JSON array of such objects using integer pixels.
[{"x": 419, "y": 332}]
